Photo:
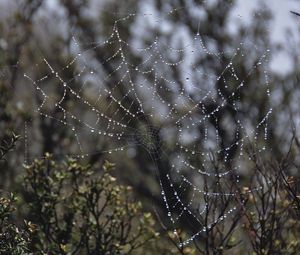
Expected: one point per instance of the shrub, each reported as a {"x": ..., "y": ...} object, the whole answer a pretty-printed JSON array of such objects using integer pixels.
[
  {"x": 78, "y": 211},
  {"x": 73, "y": 210},
  {"x": 13, "y": 240}
]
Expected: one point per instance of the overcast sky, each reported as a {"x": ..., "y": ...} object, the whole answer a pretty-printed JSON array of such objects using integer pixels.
[{"x": 283, "y": 20}]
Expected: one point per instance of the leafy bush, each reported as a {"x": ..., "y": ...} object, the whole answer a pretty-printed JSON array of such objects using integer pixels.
[
  {"x": 74, "y": 210},
  {"x": 13, "y": 240},
  {"x": 82, "y": 212}
]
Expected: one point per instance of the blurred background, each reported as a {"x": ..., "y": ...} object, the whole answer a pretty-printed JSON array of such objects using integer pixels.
[{"x": 164, "y": 89}]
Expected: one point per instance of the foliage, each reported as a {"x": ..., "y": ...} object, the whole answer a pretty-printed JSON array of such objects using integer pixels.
[
  {"x": 7, "y": 144},
  {"x": 79, "y": 211},
  {"x": 13, "y": 240},
  {"x": 74, "y": 211},
  {"x": 271, "y": 215}
]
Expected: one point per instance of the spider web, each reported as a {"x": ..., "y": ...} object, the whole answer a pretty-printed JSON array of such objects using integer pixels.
[{"x": 139, "y": 105}]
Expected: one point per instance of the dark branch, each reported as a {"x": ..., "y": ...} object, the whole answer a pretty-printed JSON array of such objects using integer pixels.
[{"x": 296, "y": 13}]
